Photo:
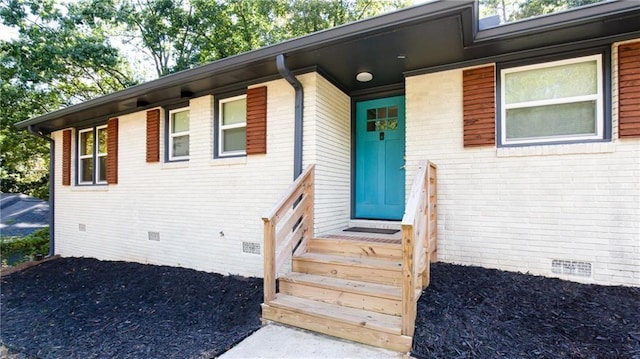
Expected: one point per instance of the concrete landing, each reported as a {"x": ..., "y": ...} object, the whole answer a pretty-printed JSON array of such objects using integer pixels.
[{"x": 279, "y": 341}]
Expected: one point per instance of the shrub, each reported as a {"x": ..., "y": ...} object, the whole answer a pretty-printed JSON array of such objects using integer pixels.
[{"x": 15, "y": 250}]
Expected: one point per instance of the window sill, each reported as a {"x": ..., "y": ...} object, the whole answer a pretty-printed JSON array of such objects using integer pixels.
[
  {"x": 174, "y": 165},
  {"x": 90, "y": 188},
  {"x": 230, "y": 161},
  {"x": 554, "y": 150}
]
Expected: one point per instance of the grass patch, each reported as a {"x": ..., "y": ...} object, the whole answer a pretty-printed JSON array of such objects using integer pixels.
[{"x": 16, "y": 250}]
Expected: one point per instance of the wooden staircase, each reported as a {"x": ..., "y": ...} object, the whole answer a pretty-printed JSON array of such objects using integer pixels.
[
  {"x": 358, "y": 290},
  {"x": 344, "y": 288}
]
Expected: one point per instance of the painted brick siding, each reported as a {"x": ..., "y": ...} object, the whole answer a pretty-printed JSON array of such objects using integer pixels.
[
  {"x": 188, "y": 203},
  {"x": 332, "y": 142},
  {"x": 519, "y": 209}
]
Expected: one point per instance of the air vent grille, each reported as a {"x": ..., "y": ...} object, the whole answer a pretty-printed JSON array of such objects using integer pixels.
[
  {"x": 154, "y": 236},
  {"x": 251, "y": 248},
  {"x": 572, "y": 268}
]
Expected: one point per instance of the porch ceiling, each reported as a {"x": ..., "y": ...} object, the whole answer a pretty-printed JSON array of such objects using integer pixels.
[{"x": 430, "y": 37}]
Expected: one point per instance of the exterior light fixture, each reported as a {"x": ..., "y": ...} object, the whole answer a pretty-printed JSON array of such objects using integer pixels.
[{"x": 364, "y": 76}]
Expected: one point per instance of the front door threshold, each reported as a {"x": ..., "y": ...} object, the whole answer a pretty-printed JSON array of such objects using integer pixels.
[{"x": 374, "y": 223}]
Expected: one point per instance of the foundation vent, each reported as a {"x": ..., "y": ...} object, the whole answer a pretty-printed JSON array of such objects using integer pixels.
[
  {"x": 251, "y": 248},
  {"x": 154, "y": 236},
  {"x": 572, "y": 268}
]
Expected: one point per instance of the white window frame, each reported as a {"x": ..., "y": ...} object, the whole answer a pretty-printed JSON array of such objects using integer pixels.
[
  {"x": 221, "y": 128},
  {"x": 598, "y": 97},
  {"x": 171, "y": 135},
  {"x": 95, "y": 155}
]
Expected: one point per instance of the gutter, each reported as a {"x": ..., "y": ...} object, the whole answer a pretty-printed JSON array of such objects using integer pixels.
[
  {"x": 52, "y": 188},
  {"x": 299, "y": 103}
]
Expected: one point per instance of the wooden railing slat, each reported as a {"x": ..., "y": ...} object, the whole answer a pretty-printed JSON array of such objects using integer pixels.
[
  {"x": 290, "y": 243},
  {"x": 291, "y": 219},
  {"x": 289, "y": 194}
]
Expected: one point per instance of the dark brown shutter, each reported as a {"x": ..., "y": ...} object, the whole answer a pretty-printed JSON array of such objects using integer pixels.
[
  {"x": 112, "y": 151},
  {"x": 479, "y": 106},
  {"x": 629, "y": 90},
  {"x": 257, "y": 120},
  {"x": 66, "y": 158},
  {"x": 153, "y": 135}
]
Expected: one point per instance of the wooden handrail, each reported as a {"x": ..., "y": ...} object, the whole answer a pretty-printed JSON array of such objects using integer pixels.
[
  {"x": 418, "y": 241},
  {"x": 287, "y": 225}
]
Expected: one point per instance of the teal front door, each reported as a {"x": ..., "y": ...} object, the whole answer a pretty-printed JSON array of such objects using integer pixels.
[{"x": 379, "y": 156}]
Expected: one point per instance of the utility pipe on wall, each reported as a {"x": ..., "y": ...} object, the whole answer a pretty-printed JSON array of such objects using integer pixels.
[{"x": 299, "y": 106}]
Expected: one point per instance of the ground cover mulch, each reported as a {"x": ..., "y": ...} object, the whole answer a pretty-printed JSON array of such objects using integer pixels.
[
  {"x": 471, "y": 312},
  {"x": 85, "y": 308}
]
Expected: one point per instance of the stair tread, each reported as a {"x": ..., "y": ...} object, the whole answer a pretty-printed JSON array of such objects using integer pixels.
[
  {"x": 376, "y": 321},
  {"x": 388, "y": 264},
  {"x": 372, "y": 289},
  {"x": 353, "y": 240}
]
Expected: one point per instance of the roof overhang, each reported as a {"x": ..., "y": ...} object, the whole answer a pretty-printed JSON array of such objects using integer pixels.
[{"x": 419, "y": 39}]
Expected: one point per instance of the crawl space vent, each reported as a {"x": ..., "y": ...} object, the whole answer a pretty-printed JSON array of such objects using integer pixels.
[
  {"x": 154, "y": 236},
  {"x": 573, "y": 268},
  {"x": 251, "y": 248}
]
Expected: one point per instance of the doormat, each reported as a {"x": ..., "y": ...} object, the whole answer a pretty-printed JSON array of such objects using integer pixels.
[{"x": 371, "y": 230}]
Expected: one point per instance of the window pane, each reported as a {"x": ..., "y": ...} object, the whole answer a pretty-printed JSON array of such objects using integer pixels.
[
  {"x": 552, "y": 82},
  {"x": 234, "y": 112},
  {"x": 181, "y": 146},
  {"x": 180, "y": 122},
  {"x": 553, "y": 120},
  {"x": 393, "y": 111},
  {"x": 86, "y": 143},
  {"x": 86, "y": 170},
  {"x": 234, "y": 139},
  {"x": 102, "y": 168},
  {"x": 102, "y": 140}
]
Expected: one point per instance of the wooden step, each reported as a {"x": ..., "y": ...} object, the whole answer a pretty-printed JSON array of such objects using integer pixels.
[
  {"x": 355, "y": 248},
  {"x": 353, "y": 324},
  {"x": 373, "y": 297},
  {"x": 383, "y": 271}
]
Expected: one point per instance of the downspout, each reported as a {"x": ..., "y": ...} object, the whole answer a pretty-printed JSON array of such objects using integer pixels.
[
  {"x": 52, "y": 188},
  {"x": 299, "y": 103}
]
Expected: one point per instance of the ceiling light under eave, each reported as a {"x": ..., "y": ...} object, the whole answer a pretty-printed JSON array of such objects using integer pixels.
[{"x": 364, "y": 76}]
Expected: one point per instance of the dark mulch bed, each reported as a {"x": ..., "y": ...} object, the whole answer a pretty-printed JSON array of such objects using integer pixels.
[
  {"x": 471, "y": 312},
  {"x": 85, "y": 308}
]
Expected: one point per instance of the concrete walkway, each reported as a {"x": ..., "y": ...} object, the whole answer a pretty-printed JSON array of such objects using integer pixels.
[{"x": 278, "y": 341}]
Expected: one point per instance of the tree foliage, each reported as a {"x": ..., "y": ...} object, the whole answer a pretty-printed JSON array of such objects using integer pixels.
[
  {"x": 60, "y": 57},
  {"x": 513, "y": 10}
]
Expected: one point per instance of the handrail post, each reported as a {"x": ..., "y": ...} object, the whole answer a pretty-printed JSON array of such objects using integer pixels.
[
  {"x": 269, "y": 261},
  {"x": 311, "y": 183},
  {"x": 408, "y": 300}
]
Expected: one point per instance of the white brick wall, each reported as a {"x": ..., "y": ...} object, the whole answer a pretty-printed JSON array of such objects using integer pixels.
[
  {"x": 189, "y": 204},
  {"x": 518, "y": 209},
  {"x": 332, "y": 141}
]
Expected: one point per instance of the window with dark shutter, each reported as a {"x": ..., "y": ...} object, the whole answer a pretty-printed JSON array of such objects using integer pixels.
[
  {"x": 479, "y": 106},
  {"x": 629, "y": 90},
  {"x": 257, "y": 120}
]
